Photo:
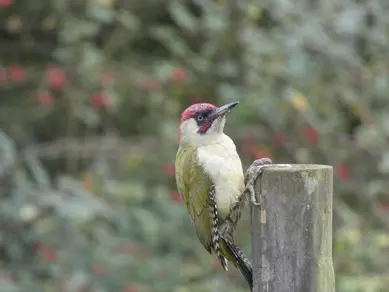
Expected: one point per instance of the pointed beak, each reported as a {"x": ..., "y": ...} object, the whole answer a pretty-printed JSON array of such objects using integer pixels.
[{"x": 221, "y": 111}]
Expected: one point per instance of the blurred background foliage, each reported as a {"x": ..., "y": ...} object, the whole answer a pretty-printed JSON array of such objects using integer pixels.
[{"x": 91, "y": 93}]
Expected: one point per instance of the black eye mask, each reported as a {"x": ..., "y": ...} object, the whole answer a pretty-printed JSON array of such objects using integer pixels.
[{"x": 204, "y": 120}]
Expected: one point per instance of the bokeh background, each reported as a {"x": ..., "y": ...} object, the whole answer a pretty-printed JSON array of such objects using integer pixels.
[{"x": 91, "y": 93}]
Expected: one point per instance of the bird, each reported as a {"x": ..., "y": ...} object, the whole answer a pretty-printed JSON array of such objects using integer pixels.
[{"x": 209, "y": 177}]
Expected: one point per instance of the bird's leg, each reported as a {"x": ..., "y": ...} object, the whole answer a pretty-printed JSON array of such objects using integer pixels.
[
  {"x": 252, "y": 174},
  {"x": 229, "y": 223}
]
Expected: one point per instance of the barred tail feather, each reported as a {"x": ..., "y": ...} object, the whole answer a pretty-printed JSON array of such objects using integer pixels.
[
  {"x": 240, "y": 261},
  {"x": 215, "y": 228}
]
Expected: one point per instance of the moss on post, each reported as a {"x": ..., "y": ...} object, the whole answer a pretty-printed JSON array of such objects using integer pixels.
[{"x": 292, "y": 230}]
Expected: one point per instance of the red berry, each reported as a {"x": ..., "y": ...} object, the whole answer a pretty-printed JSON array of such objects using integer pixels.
[
  {"x": 176, "y": 197},
  {"x": 257, "y": 152},
  {"x": 17, "y": 73},
  {"x": 178, "y": 74},
  {"x": 56, "y": 78},
  {"x": 99, "y": 100},
  {"x": 311, "y": 134},
  {"x": 36, "y": 246},
  {"x": 169, "y": 169},
  {"x": 248, "y": 144},
  {"x": 254, "y": 150},
  {"x": 149, "y": 84},
  {"x": 45, "y": 99},
  {"x": 5, "y": 3},
  {"x": 383, "y": 206},
  {"x": 342, "y": 172},
  {"x": 48, "y": 254}
]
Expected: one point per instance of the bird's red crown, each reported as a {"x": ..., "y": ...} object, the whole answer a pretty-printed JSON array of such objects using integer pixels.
[{"x": 195, "y": 108}]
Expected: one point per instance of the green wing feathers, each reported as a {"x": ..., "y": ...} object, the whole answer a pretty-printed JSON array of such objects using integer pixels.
[{"x": 193, "y": 185}]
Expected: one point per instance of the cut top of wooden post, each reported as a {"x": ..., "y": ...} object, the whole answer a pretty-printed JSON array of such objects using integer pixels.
[{"x": 292, "y": 230}]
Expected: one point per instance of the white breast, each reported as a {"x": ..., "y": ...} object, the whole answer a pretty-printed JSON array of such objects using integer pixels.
[{"x": 222, "y": 163}]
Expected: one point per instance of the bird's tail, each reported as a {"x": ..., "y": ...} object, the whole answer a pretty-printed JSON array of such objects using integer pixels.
[{"x": 239, "y": 260}]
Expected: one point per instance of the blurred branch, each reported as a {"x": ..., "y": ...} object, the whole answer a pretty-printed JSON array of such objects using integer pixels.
[
  {"x": 90, "y": 147},
  {"x": 112, "y": 145}
]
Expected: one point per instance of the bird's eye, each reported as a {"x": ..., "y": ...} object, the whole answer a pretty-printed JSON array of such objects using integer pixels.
[{"x": 200, "y": 118}]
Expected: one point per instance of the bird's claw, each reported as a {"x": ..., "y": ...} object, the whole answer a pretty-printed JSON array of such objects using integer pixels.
[
  {"x": 254, "y": 171},
  {"x": 253, "y": 199}
]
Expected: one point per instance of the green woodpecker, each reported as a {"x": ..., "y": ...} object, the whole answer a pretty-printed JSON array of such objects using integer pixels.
[{"x": 210, "y": 179}]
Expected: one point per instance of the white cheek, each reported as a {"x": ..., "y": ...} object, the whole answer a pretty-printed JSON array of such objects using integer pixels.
[{"x": 189, "y": 128}]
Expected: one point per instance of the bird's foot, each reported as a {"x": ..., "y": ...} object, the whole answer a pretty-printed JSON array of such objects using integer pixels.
[{"x": 252, "y": 174}]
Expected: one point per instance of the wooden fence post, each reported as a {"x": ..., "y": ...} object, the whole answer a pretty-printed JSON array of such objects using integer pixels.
[{"x": 292, "y": 230}]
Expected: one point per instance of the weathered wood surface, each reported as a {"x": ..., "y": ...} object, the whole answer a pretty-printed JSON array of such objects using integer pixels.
[{"x": 292, "y": 231}]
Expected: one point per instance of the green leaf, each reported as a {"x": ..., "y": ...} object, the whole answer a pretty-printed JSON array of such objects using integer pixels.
[
  {"x": 182, "y": 16},
  {"x": 101, "y": 13}
]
